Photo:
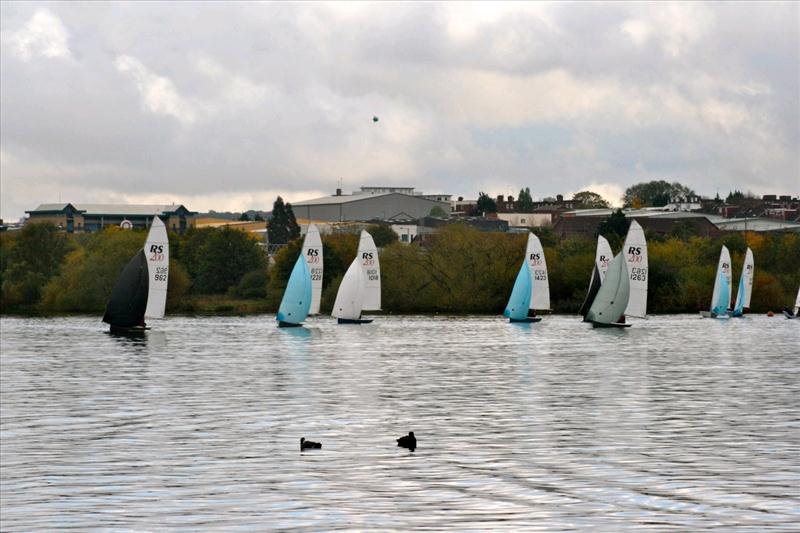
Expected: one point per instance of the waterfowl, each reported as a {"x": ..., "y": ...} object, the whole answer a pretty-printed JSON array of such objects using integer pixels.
[
  {"x": 408, "y": 441},
  {"x": 308, "y": 445}
]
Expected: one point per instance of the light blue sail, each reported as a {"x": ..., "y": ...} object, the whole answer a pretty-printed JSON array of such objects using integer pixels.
[
  {"x": 739, "y": 309},
  {"x": 297, "y": 297},
  {"x": 721, "y": 305},
  {"x": 520, "y": 300}
]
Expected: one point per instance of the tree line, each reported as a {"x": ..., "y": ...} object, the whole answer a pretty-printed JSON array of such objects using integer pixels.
[{"x": 457, "y": 270}]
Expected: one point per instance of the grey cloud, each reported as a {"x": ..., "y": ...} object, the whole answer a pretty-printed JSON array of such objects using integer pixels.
[{"x": 258, "y": 98}]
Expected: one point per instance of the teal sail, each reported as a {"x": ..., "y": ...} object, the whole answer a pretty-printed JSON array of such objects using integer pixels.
[
  {"x": 721, "y": 305},
  {"x": 297, "y": 297},
  {"x": 520, "y": 300},
  {"x": 739, "y": 309}
]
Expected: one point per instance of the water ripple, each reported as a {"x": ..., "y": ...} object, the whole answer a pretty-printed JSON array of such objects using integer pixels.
[{"x": 677, "y": 423}]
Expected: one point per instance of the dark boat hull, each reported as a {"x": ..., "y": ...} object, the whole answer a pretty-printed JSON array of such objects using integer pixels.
[
  {"x": 282, "y": 324},
  {"x": 354, "y": 320},
  {"x": 709, "y": 314},
  {"x": 122, "y": 330},
  {"x": 526, "y": 320},
  {"x": 789, "y": 315},
  {"x": 611, "y": 325}
]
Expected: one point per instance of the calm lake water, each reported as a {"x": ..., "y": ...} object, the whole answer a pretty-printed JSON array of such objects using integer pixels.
[{"x": 677, "y": 422}]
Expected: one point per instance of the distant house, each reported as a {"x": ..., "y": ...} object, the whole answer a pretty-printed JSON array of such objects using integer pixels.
[
  {"x": 660, "y": 223},
  {"x": 371, "y": 203},
  {"x": 94, "y": 217}
]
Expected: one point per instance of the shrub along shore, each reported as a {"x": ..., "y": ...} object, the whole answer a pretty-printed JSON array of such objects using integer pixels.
[{"x": 459, "y": 271}]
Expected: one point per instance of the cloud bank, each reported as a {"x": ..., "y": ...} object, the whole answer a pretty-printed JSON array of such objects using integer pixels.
[{"x": 223, "y": 106}]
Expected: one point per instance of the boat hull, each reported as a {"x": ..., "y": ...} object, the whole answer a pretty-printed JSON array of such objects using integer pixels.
[
  {"x": 354, "y": 320},
  {"x": 709, "y": 314},
  {"x": 788, "y": 315},
  {"x": 610, "y": 325},
  {"x": 282, "y": 324},
  {"x": 526, "y": 320},
  {"x": 121, "y": 330}
]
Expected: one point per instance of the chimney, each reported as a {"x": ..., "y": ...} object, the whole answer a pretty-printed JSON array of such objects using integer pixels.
[
  {"x": 500, "y": 198},
  {"x": 460, "y": 198},
  {"x": 338, "y": 192},
  {"x": 560, "y": 197},
  {"x": 511, "y": 199}
]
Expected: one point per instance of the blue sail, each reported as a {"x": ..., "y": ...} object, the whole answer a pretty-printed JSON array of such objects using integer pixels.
[
  {"x": 520, "y": 300},
  {"x": 721, "y": 305},
  {"x": 297, "y": 297},
  {"x": 739, "y": 309}
]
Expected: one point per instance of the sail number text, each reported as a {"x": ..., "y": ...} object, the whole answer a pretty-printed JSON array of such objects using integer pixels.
[
  {"x": 161, "y": 273},
  {"x": 639, "y": 274}
]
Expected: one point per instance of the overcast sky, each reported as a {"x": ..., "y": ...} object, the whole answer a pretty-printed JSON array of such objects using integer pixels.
[{"x": 223, "y": 106}]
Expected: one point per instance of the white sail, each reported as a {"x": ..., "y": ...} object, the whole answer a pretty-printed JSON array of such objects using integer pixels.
[
  {"x": 350, "y": 298},
  {"x": 746, "y": 283},
  {"x": 797, "y": 303},
  {"x": 603, "y": 256},
  {"x": 635, "y": 252},
  {"x": 156, "y": 250},
  {"x": 540, "y": 286},
  {"x": 612, "y": 298},
  {"x": 723, "y": 268},
  {"x": 312, "y": 251},
  {"x": 368, "y": 258}
]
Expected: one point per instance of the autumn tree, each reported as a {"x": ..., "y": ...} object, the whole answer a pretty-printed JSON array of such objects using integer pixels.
[
  {"x": 655, "y": 193},
  {"x": 590, "y": 199},
  {"x": 485, "y": 204}
]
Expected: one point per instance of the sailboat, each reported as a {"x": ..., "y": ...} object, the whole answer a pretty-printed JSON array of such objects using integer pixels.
[
  {"x": 745, "y": 285},
  {"x": 350, "y": 298},
  {"x": 721, "y": 299},
  {"x": 367, "y": 255},
  {"x": 312, "y": 251},
  {"x": 608, "y": 307},
  {"x": 141, "y": 290},
  {"x": 602, "y": 258},
  {"x": 540, "y": 286},
  {"x": 296, "y": 300},
  {"x": 520, "y": 300},
  {"x": 360, "y": 289},
  {"x": 794, "y": 313},
  {"x": 623, "y": 289}
]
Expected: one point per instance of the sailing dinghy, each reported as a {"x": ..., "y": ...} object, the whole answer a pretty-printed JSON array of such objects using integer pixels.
[
  {"x": 794, "y": 313},
  {"x": 360, "y": 289},
  {"x": 540, "y": 286},
  {"x": 721, "y": 298},
  {"x": 622, "y": 291},
  {"x": 141, "y": 290},
  {"x": 602, "y": 258},
  {"x": 745, "y": 285},
  {"x": 312, "y": 251},
  {"x": 350, "y": 298},
  {"x": 296, "y": 300},
  {"x": 520, "y": 300},
  {"x": 608, "y": 308}
]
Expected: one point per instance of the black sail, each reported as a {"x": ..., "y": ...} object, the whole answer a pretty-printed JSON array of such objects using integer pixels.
[
  {"x": 128, "y": 300},
  {"x": 594, "y": 286}
]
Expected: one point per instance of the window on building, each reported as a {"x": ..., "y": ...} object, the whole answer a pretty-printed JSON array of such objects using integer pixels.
[
  {"x": 522, "y": 221},
  {"x": 404, "y": 237}
]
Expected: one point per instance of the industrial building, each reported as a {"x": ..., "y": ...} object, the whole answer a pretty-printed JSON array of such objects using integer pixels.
[
  {"x": 371, "y": 203},
  {"x": 94, "y": 217}
]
